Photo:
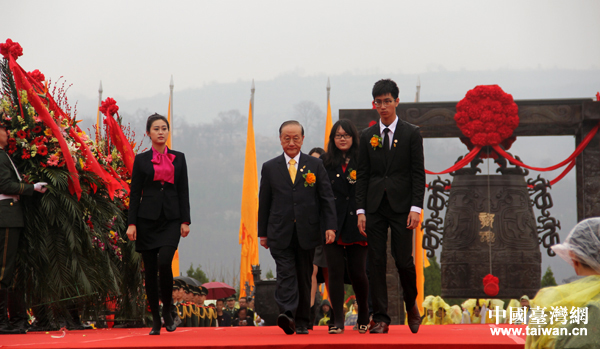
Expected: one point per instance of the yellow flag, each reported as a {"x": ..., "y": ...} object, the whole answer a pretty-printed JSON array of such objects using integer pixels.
[
  {"x": 419, "y": 265},
  {"x": 248, "y": 237},
  {"x": 328, "y": 125}
]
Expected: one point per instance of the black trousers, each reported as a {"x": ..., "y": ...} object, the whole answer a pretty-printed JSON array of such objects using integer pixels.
[
  {"x": 294, "y": 272},
  {"x": 9, "y": 242},
  {"x": 355, "y": 257},
  {"x": 401, "y": 246},
  {"x": 158, "y": 261}
]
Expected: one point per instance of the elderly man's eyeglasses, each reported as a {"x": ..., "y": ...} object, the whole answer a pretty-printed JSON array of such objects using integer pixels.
[
  {"x": 344, "y": 136},
  {"x": 383, "y": 103}
]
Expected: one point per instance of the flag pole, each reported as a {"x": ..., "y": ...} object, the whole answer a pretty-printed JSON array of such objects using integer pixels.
[
  {"x": 418, "y": 95},
  {"x": 175, "y": 262},
  {"x": 328, "y": 122},
  {"x": 98, "y": 128},
  {"x": 171, "y": 117},
  {"x": 252, "y": 89}
]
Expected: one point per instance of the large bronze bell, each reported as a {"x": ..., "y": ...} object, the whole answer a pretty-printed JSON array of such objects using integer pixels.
[{"x": 490, "y": 217}]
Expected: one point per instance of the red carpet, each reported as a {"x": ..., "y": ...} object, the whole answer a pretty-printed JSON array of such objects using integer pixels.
[{"x": 448, "y": 336}]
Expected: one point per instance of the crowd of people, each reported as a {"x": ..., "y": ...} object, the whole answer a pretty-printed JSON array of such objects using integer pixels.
[
  {"x": 189, "y": 309},
  {"x": 475, "y": 311}
]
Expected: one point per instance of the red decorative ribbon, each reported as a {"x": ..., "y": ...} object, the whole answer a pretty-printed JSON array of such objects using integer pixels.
[
  {"x": 570, "y": 160},
  {"x": 462, "y": 163},
  {"x": 119, "y": 139}
]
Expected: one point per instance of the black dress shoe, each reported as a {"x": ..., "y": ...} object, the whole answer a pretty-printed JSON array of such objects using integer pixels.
[
  {"x": 155, "y": 332},
  {"x": 414, "y": 319},
  {"x": 286, "y": 323},
  {"x": 169, "y": 323},
  {"x": 379, "y": 327},
  {"x": 301, "y": 330}
]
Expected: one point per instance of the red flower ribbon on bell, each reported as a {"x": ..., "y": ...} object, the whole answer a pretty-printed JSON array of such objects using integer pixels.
[{"x": 490, "y": 285}]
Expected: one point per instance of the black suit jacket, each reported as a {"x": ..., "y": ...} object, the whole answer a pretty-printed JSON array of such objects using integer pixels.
[
  {"x": 344, "y": 194},
  {"x": 148, "y": 197},
  {"x": 283, "y": 204},
  {"x": 402, "y": 176},
  {"x": 11, "y": 212}
]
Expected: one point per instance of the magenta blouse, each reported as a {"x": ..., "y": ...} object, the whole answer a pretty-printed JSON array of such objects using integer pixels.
[{"x": 164, "y": 170}]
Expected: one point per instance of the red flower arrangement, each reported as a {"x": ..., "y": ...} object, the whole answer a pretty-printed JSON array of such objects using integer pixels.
[
  {"x": 37, "y": 75},
  {"x": 11, "y": 49},
  {"x": 109, "y": 107},
  {"x": 487, "y": 115}
]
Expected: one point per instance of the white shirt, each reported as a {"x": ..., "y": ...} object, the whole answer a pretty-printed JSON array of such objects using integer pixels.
[{"x": 392, "y": 129}]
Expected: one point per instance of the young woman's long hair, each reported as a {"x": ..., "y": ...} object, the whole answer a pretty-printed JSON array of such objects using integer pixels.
[{"x": 334, "y": 157}]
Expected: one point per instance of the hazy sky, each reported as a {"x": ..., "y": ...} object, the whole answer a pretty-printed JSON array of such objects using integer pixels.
[{"x": 135, "y": 46}]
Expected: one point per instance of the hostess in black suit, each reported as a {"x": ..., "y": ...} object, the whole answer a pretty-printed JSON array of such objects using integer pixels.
[
  {"x": 159, "y": 214},
  {"x": 149, "y": 199},
  {"x": 349, "y": 251},
  {"x": 390, "y": 188},
  {"x": 289, "y": 223}
]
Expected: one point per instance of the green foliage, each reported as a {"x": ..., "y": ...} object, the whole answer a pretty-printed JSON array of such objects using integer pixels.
[
  {"x": 197, "y": 273},
  {"x": 433, "y": 278},
  {"x": 270, "y": 274},
  {"x": 548, "y": 278}
]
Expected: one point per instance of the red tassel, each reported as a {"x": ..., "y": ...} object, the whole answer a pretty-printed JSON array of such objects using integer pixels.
[{"x": 490, "y": 285}]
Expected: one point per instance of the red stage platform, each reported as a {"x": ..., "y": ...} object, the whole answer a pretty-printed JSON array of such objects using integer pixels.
[{"x": 448, "y": 336}]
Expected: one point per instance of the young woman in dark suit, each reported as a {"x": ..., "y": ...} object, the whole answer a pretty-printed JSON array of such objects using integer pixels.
[
  {"x": 350, "y": 247},
  {"x": 159, "y": 214}
]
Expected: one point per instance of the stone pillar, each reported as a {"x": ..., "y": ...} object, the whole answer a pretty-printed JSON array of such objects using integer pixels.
[{"x": 588, "y": 165}]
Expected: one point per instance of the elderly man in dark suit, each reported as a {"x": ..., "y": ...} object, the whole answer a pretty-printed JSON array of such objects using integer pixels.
[
  {"x": 11, "y": 222},
  {"x": 295, "y": 195},
  {"x": 389, "y": 194}
]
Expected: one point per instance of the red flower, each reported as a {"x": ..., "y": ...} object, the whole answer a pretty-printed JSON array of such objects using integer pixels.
[
  {"x": 109, "y": 107},
  {"x": 37, "y": 129},
  {"x": 21, "y": 134},
  {"x": 37, "y": 75},
  {"x": 487, "y": 115},
  {"x": 12, "y": 141},
  {"x": 26, "y": 154},
  {"x": 11, "y": 49},
  {"x": 42, "y": 150}
]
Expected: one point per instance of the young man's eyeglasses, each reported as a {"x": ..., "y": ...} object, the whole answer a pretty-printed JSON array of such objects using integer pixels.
[{"x": 383, "y": 103}]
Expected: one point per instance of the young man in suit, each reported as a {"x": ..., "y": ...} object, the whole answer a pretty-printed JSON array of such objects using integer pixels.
[
  {"x": 295, "y": 195},
  {"x": 389, "y": 194},
  {"x": 11, "y": 223}
]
